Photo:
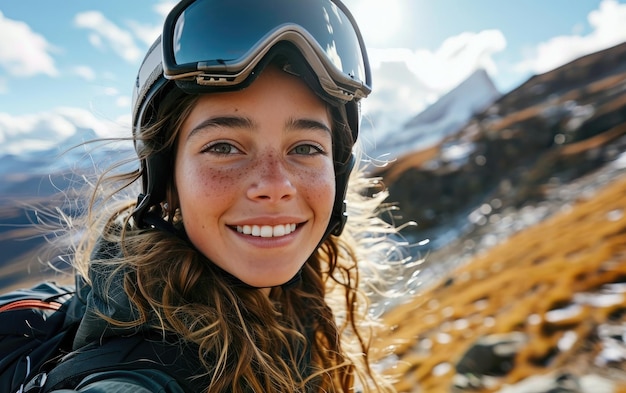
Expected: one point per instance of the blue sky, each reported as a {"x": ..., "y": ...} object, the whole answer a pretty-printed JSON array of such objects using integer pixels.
[{"x": 69, "y": 64}]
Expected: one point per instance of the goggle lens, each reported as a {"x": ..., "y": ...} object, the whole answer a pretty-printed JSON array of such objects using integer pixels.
[{"x": 219, "y": 35}]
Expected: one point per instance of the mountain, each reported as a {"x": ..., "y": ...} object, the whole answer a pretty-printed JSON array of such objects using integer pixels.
[
  {"x": 38, "y": 181},
  {"x": 32, "y": 173},
  {"x": 441, "y": 119},
  {"x": 518, "y": 151},
  {"x": 528, "y": 292}
]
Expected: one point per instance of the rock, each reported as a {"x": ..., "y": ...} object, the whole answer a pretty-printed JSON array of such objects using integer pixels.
[{"x": 491, "y": 356}]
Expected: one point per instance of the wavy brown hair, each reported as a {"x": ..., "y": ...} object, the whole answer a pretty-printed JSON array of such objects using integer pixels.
[{"x": 312, "y": 337}]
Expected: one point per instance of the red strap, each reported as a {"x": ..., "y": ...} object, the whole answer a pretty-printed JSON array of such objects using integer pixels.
[{"x": 30, "y": 303}]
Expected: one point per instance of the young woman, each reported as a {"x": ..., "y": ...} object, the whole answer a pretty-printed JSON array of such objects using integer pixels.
[{"x": 235, "y": 269}]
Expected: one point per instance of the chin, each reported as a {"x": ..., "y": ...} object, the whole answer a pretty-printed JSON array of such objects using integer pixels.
[{"x": 270, "y": 281}]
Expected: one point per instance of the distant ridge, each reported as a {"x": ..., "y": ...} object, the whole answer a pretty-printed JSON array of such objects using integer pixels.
[{"x": 443, "y": 118}]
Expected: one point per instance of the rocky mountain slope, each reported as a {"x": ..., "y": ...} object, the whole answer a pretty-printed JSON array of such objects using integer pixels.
[
  {"x": 552, "y": 129},
  {"x": 528, "y": 294},
  {"x": 545, "y": 309}
]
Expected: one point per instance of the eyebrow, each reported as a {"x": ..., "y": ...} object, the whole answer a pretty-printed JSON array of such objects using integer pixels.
[
  {"x": 244, "y": 122},
  {"x": 307, "y": 124},
  {"x": 222, "y": 121}
]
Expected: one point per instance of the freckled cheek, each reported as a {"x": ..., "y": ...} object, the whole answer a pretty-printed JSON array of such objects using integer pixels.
[
  {"x": 204, "y": 183},
  {"x": 320, "y": 188}
]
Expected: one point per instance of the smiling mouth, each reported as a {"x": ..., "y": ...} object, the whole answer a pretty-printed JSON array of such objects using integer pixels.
[{"x": 266, "y": 230}]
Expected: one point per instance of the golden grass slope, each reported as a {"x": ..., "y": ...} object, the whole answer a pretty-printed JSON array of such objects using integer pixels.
[{"x": 520, "y": 286}]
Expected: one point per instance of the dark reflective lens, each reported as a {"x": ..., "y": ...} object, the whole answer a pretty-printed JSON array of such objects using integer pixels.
[{"x": 219, "y": 32}]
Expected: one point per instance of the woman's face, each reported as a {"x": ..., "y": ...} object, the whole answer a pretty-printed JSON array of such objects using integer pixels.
[{"x": 255, "y": 179}]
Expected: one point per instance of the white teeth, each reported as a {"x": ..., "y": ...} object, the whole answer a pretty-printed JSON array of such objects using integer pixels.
[
  {"x": 278, "y": 230},
  {"x": 266, "y": 230}
]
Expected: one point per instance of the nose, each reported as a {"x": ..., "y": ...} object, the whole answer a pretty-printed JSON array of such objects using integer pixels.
[{"x": 271, "y": 180}]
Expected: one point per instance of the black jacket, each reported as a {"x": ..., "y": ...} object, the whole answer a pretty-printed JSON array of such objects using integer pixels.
[{"x": 148, "y": 360}]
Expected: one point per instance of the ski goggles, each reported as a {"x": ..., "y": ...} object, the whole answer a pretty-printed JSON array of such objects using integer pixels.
[{"x": 218, "y": 43}]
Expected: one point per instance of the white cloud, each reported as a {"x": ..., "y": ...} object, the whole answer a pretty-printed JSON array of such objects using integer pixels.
[
  {"x": 406, "y": 81},
  {"x": 608, "y": 29},
  {"x": 457, "y": 58},
  {"x": 32, "y": 132},
  {"x": 123, "y": 102},
  {"x": 145, "y": 33},
  {"x": 378, "y": 23},
  {"x": 82, "y": 118},
  {"x": 85, "y": 72},
  {"x": 124, "y": 124},
  {"x": 110, "y": 91},
  {"x": 21, "y": 134},
  {"x": 23, "y": 52},
  {"x": 164, "y": 7},
  {"x": 96, "y": 41},
  {"x": 104, "y": 31},
  {"x": 149, "y": 33},
  {"x": 121, "y": 41}
]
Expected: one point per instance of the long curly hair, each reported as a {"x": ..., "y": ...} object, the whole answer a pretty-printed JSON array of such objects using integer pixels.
[{"x": 312, "y": 337}]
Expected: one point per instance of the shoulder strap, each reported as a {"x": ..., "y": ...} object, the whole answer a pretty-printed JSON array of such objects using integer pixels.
[
  {"x": 35, "y": 327},
  {"x": 125, "y": 353}
]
